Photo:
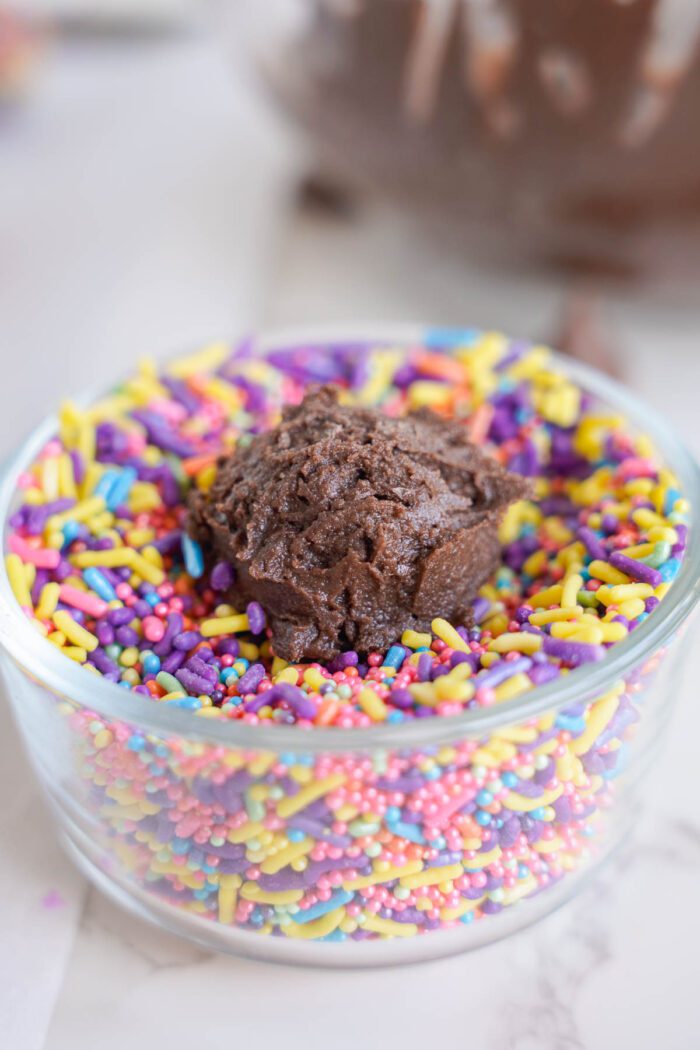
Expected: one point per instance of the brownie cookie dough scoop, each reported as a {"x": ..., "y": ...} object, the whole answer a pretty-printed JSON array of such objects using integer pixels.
[{"x": 349, "y": 526}]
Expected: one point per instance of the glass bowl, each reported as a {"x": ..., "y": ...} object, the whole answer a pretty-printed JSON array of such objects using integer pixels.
[{"x": 132, "y": 784}]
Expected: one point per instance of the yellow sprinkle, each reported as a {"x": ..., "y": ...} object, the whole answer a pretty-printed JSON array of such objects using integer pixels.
[
  {"x": 145, "y": 568},
  {"x": 539, "y": 619},
  {"x": 523, "y": 804},
  {"x": 447, "y": 633},
  {"x": 640, "y": 550},
  {"x": 221, "y": 391},
  {"x": 612, "y": 632},
  {"x": 82, "y": 511},
  {"x": 14, "y": 567},
  {"x": 513, "y": 687},
  {"x": 57, "y": 638},
  {"x": 249, "y": 651},
  {"x": 293, "y": 851},
  {"x": 415, "y": 640},
  {"x": 48, "y": 600},
  {"x": 93, "y": 473},
  {"x": 313, "y": 678},
  {"x": 75, "y": 632},
  {"x": 287, "y": 807},
  {"x": 530, "y": 364},
  {"x": 224, "y": 625},
  {"x": 622, "y": 592},
  {"x": 662, "y": 590},
  {"x": 250, "y": 891},
  {"x": 287, "y": 674},
  {"x": 372, "y": 704},
  {"x": 113, "y": 558},
  {"x": 536, "y": 563},
  {"x": 600, "y": 570},
  {"x": 427, "y": 393},
  {"x": 599, "y": 715},
  {"x": 389, "y": 928},
  {"x": 102, "y": 738},
  {"x": 86, "y": 440},
  {"x": 548, "y": 845},
  {"x": 647, "y": 519},
  {"x": 320, "y": 927},
  {"x": 450, "y": 914},
  {"x": 207, "y": 359},
  {"x": 663, "y": 534},
  {"x": 66, "y": 477},
  {"x": 516, "y": 642},
  {"x": 591, "y": 634},
  {"x": 632, "y": 608},
  {"x": 549, "y": 596},
  {"x": 571, "y": 586},
  {"x": 247, "y": 831},
  {"x": 387, "y": 875},
  {"x": 432, "y": 876},
  {"x": 424, "y": 693},
  {"x": 49, "y": 478},
  {"x": 227, "y": 897},
  {"x": 75, "y": 652},
  {"x": 483, "y": 860},
  {"x": 451, "y": 690}
]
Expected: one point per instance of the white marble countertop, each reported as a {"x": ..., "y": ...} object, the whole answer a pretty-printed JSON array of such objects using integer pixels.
[{"x": 144, "y": 204}]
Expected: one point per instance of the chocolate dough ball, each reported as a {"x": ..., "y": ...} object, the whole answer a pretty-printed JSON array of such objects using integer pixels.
[{"x": 349, "y": 526}]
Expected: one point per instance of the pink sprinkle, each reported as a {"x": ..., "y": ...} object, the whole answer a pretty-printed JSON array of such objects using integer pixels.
[
  {"x": 153, "y": 628},
  {"x": 26, "y": 481},
  {"x": 82, "y": 600},
  {"x": 42, "y": 557}
]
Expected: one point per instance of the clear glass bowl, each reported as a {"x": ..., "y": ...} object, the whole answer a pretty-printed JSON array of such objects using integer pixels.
[{"x": 131, "y": 782}]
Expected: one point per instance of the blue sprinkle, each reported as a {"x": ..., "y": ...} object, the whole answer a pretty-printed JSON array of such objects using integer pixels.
[
  {"x": 395, "y": 716},
  {"x": 440, "y": 337},
  {"x": 180, "y": 846},
  {"x": 120, "y": 488},
  {"x": 99, "y": 583},
  {"x": 394, "y": 657},
  {"x": 295, "y": 834},
  {"x": 189, "y": 703},
  {"x": 393, "y": 813},
  {"x": 569, "y": 723},
  {"x": 669, "y": 570},
  {"x": 153, "y": 599},
  {"x": 467, "y": 917},
  {"x": 336, "y": 900},
  {"x": 151, "y": 663},
  {"x": 509, "y": 779},
  {"x": 335, "y": 935},
  {"x": 483, "y": 818},
  {"x": 135, "y": 742},
  {"x": 70, "y": 531},
  {"x": 407, "y": 831},
  {"x": 484, "y": 798},
  {"x": 105, "y": 483},
  {"x": 194, "y": 559}
]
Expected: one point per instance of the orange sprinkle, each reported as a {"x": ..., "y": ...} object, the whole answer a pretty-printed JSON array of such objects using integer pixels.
[{"x": 442, "y": 367}]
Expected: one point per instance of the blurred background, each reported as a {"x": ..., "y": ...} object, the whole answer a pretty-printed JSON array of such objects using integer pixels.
[{"x": 173, "y": 170}]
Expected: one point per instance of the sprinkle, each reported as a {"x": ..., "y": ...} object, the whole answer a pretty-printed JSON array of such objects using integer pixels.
[{"x": 74, "y": 632}]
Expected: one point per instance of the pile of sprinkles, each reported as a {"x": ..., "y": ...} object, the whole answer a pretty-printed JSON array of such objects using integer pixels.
[
  {"x": 99, "y": 556},
  {"x": 341, "y": 845}
]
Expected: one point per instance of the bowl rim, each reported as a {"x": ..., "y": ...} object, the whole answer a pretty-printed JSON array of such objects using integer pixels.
[{"x": 43, "y": 662}]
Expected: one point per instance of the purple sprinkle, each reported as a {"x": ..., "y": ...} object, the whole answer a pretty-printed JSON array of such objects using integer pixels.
[
  {"x": 574, "y": 653},
  {"x": 636, "y": 569},
  {"x": 119, "y": 617},
  {"x": 425, "y": 666},
  {"x": 544, "y": 672},
  {"x": 480, "y": 608},
  {"x": 173, "y": 661},
  {"x": 401, "y": 698},
  {"x": 174, "y": 627},
  {"x": 256, "y": 617},
  {"x": 252, "y": 678},
  {"x": 105, "y": 633},
  {"x": 127, "y": 636},
  {"x": 502, "y": 671},
  {"x": 186, "y": 640},
  {"x": 591, "y": 542},
  {"x": 221, "y": 576},
  {"x": 193, "y": 683},
  {"x": 230, "y": 646}
]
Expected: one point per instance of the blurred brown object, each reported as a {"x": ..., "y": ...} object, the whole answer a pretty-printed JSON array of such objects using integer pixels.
[
  {"x": 559, "y": 133},
  {"x": 584, "y": 334}
]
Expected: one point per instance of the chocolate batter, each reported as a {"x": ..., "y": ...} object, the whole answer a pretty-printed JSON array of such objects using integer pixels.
[{"x": 349, "y": 526}]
